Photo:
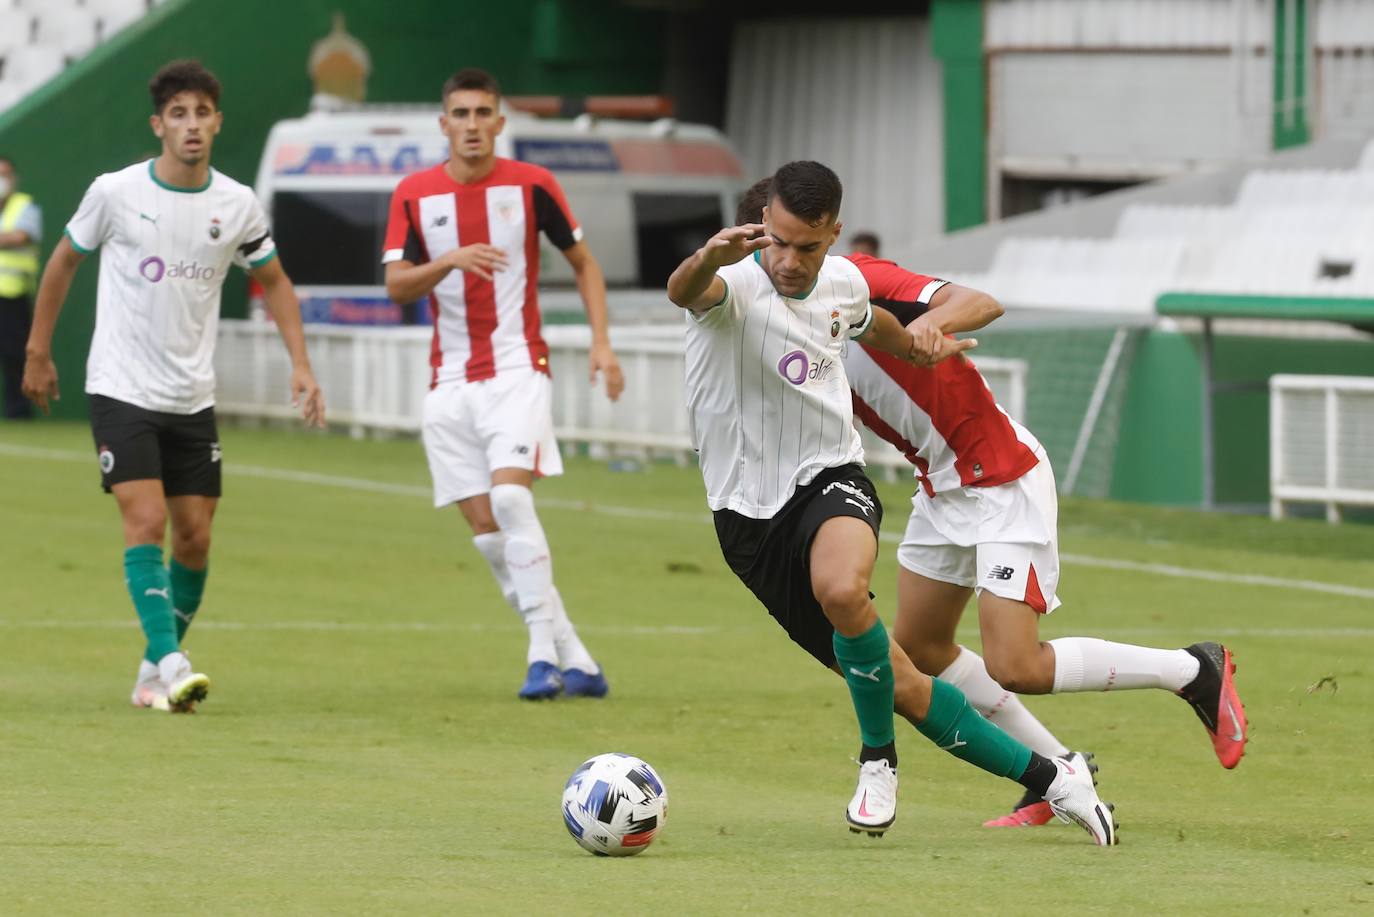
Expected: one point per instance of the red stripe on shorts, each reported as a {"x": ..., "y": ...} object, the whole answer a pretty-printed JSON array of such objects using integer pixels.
[{"x": 1033, "y": 597}]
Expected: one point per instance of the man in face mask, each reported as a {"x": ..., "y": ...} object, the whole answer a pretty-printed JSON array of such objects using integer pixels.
[{"x": 21, "y": 229}]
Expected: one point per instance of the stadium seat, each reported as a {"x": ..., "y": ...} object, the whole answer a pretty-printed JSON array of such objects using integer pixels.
[
  {"x": 69, "y": 29},
  {"x": 114, "y": 15},
  {"x": 30, "y": 66}
]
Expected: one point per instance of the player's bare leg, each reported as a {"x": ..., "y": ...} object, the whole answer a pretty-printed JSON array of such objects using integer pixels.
[
  {"x": 143, "y": 511},
  {"x": 1201, "y": 674},
  {"x": 928, "y": 614}
]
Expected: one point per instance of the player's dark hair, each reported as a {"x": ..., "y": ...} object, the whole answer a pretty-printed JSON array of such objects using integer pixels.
[
  {"x": 752, "y": 202},
  {"x": 809, "y": 191},
  {"x": 182, "y": 76},
  {"x": 471, "y": 78},
  {"x": 869, "y": 239}
]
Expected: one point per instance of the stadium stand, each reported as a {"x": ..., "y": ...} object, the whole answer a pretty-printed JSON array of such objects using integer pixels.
[
  {"x": 1294, "y": 232},
  {"x": 39, "y": 38}
]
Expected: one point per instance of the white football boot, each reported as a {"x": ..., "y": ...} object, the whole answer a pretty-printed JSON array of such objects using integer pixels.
[
  {"x": 149, "y": 691},
  {"x": 874, "y": 806},
  {"x": 1073, "y": 797},
  {"x": 185, "y": 688}
]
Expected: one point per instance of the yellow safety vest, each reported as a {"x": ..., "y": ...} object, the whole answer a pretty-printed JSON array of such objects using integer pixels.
[{"x": 18, "y": 266}]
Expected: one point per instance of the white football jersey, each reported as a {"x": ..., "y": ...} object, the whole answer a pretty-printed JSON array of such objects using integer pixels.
[
  {"x": 767, "y": 395},
  {"x": 165, "y": 253}
]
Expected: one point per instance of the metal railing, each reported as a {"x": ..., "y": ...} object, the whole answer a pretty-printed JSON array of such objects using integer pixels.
[
  {"x": 375, "y": 379},
  {"x": 1321, "y": 442}
]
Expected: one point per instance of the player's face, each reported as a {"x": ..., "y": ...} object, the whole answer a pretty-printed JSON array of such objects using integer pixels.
[
  {"x": 187, "y": 126},
  {"x": 472, "y": 118},
  {"x": 798, "y": 250}
]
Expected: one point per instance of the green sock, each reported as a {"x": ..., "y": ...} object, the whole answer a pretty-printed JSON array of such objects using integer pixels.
[
  {"x": 960, "y": 730},
  {"x": 187, "y": 587},
  {"x": 151, "y": 591},
  {"x": 867, "y": 669}
]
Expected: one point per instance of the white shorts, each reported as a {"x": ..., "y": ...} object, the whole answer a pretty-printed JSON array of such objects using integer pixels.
[
  {"x": 472, "y": 428},
  {"x": 1003, "y": 539}
]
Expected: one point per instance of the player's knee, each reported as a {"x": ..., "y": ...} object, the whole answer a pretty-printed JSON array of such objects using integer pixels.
[
  {"x": 145, "y": 524},
  {"x": 1019, "y": 674},
  {"x": 191, "y": 543},
  {"x": 842, "y": 594}
]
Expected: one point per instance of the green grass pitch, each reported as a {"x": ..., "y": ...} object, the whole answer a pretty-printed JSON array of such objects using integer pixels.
[{"x": 362, "y": 749}]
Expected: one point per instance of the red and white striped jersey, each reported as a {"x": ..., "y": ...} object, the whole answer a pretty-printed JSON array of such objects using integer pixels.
[
  {"x": 943, "y": 418},
  {"x": 482, "y": 327}
]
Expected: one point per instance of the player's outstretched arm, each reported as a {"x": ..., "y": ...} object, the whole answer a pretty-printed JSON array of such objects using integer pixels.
[
  {"x": 954, "y": 308},
  {"x": 40, "y": 373},
  {"x": 885, "y": 333},
  {"x": 591, "y": 286},
  {"x": 694, "y": 285},
  {"x": 285, "y": 309}
]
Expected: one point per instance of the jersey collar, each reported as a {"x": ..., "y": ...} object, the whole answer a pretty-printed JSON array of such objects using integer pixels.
[{"x": 152, "y": 173}]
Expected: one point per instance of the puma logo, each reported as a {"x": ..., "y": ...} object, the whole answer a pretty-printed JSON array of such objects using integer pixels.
[
  {"x": 162, "y": 592},
  {"x": 871, "y": 676},
  {"x": 955, "y": 744}
]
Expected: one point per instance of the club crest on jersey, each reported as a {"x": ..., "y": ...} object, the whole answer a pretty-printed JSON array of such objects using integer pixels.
[
  {"x": 508, "y": 213},
  {"x": 834, "y": 323},
  {"x": 798, "y": 369},
  {"x": 214, "y": 227}
]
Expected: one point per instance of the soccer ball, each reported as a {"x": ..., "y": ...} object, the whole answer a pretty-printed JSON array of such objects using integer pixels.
[{"x": 614, "y": 805}]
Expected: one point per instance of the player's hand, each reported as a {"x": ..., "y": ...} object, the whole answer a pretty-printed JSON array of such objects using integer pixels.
[
  {"x": 603, "y": 360},
  {"x": 927, "y": 341},
  {"x": 735, "y": 243},
  {"x": 40, "y": 381},
  {"x": 306, "y": 395},
  {"x": 948, "y": 347},
  {"x": 480, "y": 259}
]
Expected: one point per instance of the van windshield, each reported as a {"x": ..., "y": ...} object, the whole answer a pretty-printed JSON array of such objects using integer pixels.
[{"x": 331, "y": 238}]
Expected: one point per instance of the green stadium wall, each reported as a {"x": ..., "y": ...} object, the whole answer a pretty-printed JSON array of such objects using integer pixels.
[
  {"x": 1159, "y": 452},
  {"x": 94, "y": 117}
]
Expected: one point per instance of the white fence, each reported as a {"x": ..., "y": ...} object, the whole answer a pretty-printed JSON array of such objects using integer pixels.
[
  {"x": 1321, "y": 442},
  {"x": 375, "y": 379}
]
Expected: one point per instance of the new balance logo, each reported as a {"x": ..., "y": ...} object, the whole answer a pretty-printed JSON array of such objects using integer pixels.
[
  {"x": 955, "y": 744},
  {"x": 521, "y": 450},
  {"x": 1001, "y": 572},
  {"x": 871, "y": 676},
  {"x": 161, "y": 592},
  {"x": 440, "y": 221}
]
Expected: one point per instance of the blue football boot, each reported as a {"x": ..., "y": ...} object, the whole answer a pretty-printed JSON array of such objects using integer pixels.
[
  {"x": 577, "y": 683},
  {"x": 542, "y": 682}
]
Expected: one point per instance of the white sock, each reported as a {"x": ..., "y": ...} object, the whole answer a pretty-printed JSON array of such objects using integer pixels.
[
  {"x": 969, "y": 674},
  {"x": 147, "y": 672},
  {"x": 529, "y": 566},
  {"x": 492, "y": 547},
  {"x": 173, "y": 667},
  {"x": 571, "y": 653},
  {"x": 1089, "y": 664}
]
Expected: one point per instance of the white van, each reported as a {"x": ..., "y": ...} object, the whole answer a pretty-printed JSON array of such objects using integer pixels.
[{"x": 646, "y": 195}]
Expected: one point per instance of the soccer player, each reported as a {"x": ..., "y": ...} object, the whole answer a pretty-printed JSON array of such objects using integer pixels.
[
  {"x": 984, "y": 522},
  {"x": 169, "y": 228},
  {"x": 796, "y": 518},
  {"x": 466, "y": 234}
]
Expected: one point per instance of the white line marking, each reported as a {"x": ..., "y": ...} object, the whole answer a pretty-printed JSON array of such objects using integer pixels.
[{"x": 630, "y": 512}]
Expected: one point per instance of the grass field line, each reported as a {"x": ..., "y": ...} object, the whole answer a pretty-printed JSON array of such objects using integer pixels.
[{"x": 413, "y": 490}]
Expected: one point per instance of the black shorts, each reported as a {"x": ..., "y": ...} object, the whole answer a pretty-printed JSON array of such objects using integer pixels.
[
  {"x": 773, "y": 556},
  {"x": 136, "y": 444}
]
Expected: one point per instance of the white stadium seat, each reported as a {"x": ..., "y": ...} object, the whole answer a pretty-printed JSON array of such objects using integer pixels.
[
  {"x": 70, "y": 29},
  {"x": 31, "y": 66},
  {"x": 114, "y": 15}
]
